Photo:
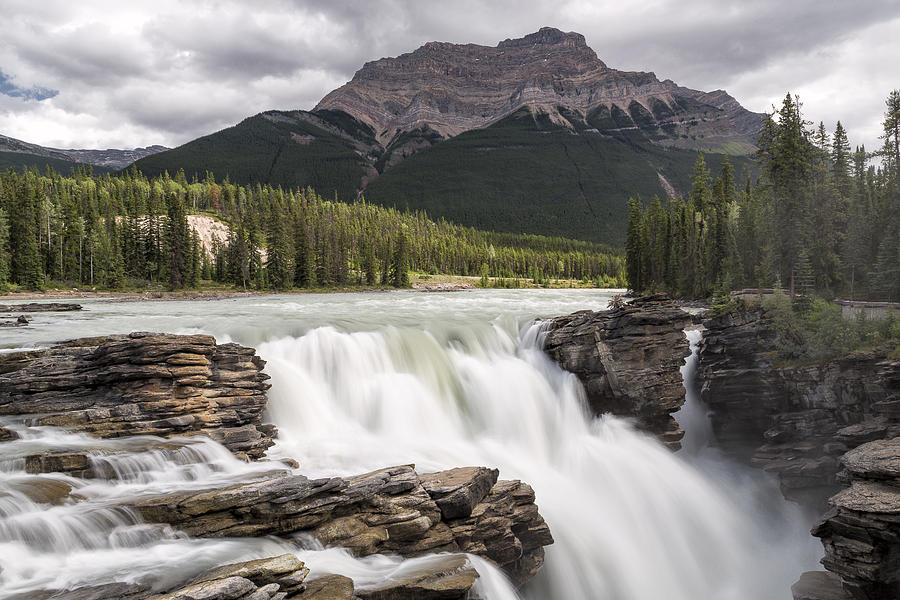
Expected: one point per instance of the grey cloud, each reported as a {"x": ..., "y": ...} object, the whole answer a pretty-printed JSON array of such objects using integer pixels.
[{"x": 183, "y": 71}]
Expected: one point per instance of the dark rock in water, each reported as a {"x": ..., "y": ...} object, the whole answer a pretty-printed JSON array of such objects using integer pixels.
[
  {"x": 628, "y": 360},
  {"x": 794, "y": 421},
  {"x": 40, "y": 307},
  {"x": 819, "y": 585},
  {"x": 861, "y": 533},
  {"x": 387, "y": 511},
  {"x": 21, "y": 321},
  {"x": 507, "y": 529},
  {"x": 7, "y": 435},
  {"x": 142, "y": 383}
]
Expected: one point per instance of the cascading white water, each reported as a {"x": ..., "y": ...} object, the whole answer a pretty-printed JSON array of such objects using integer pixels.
[
  {"x": 442, "y": 381},
  {"x": 630, "y": 519}
]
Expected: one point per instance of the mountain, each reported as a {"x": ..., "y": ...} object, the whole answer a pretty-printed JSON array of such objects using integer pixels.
[
  {"x": 535, "y": 135},
  {"x": 16, "y": 153}
]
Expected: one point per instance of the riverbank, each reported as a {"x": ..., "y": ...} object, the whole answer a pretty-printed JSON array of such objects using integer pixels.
[{"x": 418, "y": 282}]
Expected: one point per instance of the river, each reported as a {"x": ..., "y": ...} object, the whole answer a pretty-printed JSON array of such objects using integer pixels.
[{"x": 367, "y": 380}]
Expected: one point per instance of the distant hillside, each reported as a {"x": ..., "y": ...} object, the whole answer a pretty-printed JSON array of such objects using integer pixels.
[
  {"x": 291, "y": 149},
  {"x": 534, "y": 135},
  {"x": 106, "y": 160},
  {"x": 17, "y": 160}
]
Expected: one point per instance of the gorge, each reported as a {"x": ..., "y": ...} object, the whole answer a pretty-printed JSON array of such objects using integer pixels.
[{"x": 363, "y": 382}]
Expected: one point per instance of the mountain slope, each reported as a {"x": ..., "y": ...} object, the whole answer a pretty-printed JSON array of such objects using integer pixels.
[
  {"x": 534, "y": 135},
  {"x": 292, "y": 149},
  {"x": 32, "y": 154},
  {"x": 527, "y": 174}
]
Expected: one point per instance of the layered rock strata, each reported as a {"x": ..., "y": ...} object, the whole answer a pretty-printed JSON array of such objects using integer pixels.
[
  {"x": 628, "y": 360},
  {"x": 861, "y": 531},
  {"x": 142, "y": 384},
  {"x": 386, "y": 511},
  {"x": 451, "y": 88},
  {"x": 795, "y": 421}
]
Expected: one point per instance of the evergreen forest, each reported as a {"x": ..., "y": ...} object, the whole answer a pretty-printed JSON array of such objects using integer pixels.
[
  {"x": 822, "y": 219},
  {"x": 128, "y": 231}
]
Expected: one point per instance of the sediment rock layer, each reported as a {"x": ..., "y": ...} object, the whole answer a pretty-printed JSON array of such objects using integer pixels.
[
  {"x": 142, "y": 383},
  {"x": 628, "y": 360}
]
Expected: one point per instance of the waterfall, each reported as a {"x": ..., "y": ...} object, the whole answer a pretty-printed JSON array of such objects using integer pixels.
[
  {"x": 437, "y": 380},
  {"x": 631, "y": 520}
]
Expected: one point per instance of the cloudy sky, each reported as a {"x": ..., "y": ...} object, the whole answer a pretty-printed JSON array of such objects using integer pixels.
[{"x": 98, "y": 74}]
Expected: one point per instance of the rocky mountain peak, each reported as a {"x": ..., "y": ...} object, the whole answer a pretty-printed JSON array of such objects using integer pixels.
[
  {"x": 546, "y": 36},
  {"x": 442, "y": 89}
]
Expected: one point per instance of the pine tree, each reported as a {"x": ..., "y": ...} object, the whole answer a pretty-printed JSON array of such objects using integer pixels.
[
  {"x": 400, "y": 262},
  {"x": 4, "y": 250},
  {"x": 634, "y": 248}
]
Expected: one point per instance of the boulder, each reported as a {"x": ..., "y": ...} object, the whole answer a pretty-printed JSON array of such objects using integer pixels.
[
  {"x": 142, "y": 383},
  {"x": 628, "y": 360}
]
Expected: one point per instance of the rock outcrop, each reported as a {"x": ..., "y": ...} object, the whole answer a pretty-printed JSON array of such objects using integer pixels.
[
  {"x": 861, "y": 532},
  {"x": 142, "y": 383},
  {"x": 628, "y": 360},
  {"x": 795, "y": 421},
  {"x": 386, "y": 511}
]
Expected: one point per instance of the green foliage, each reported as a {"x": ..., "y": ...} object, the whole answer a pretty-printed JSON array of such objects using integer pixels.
[{"x": 819, "y": 332}]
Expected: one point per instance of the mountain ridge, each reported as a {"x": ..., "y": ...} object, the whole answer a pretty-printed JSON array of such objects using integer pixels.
[
  {"x": 110, "y": 158},
  {"x": 452, "y": 88}
]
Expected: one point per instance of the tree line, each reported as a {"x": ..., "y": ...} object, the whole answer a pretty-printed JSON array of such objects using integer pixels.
[
  {"x": 127, "y": 231},
  {"x": 820, "y": 218}
]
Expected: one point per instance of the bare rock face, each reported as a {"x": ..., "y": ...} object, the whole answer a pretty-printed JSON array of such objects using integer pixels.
[
  {"x": 628, "y": 360},
  {"x": 861, "y": 532},
  {"x": 386, "y": 511},
  {"x": 142, "y": 383},
  {"x": 795, "y": 421},
  {"x": 447, "y": 89}
]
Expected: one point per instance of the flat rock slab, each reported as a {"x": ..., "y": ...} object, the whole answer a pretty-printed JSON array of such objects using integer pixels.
[{"x": 879, "y": 459}]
